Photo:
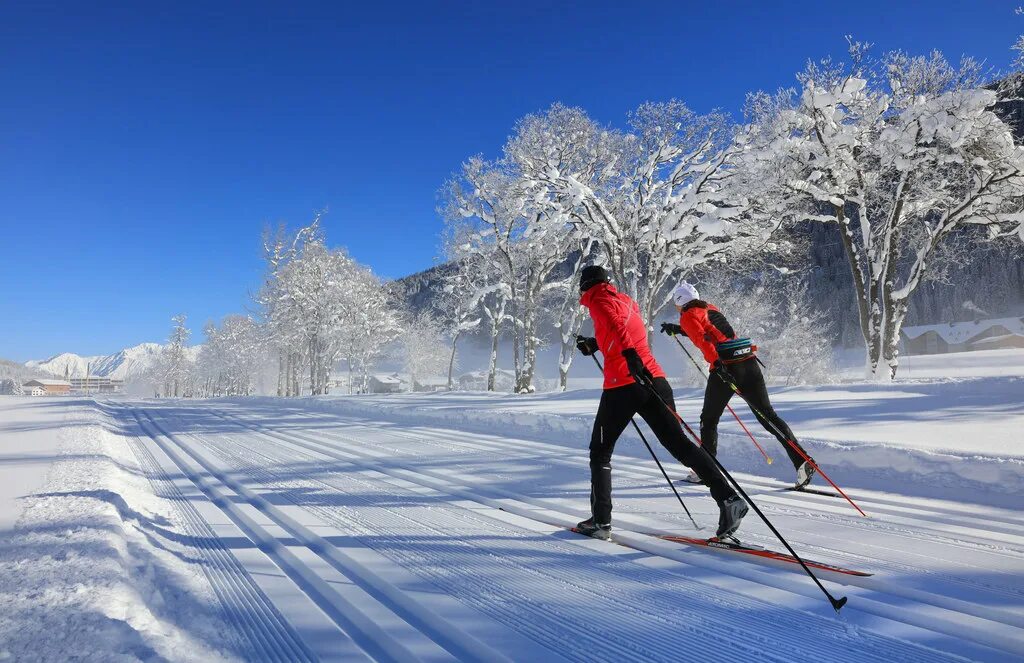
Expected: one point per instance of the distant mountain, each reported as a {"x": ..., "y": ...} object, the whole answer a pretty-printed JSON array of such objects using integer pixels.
[
  {"x": 123, "y": 365},
  {"x": 128, "y": 362},
  {"x": 66, "y": 364}
]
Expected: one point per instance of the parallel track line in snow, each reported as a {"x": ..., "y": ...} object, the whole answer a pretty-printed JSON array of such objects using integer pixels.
[
  {"x": 459, "y": 644},
  {"x": 598, "y": 634},
  {"x": 269, "y": 636},
  {"x": 1006, "y": 531},
  {"x": 951, "y": 614},
  {"x": 560, "y": 578},
  {"x": 351, "y": 620},
  {"x": 788, "y": 507},
  {"x": 926, "y": 553}
]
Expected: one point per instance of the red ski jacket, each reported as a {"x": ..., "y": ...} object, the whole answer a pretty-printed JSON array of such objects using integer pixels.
[
  {"x": 618, "y": 326},
  {"x": 696, "y": 321}
]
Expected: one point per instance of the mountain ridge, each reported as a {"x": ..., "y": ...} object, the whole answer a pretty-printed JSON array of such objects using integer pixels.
[{"x": 121, "y": 365}]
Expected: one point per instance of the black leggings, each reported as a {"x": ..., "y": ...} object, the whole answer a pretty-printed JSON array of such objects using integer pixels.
[
  {"x": 617, "y": 407},
  {"x": 748, "y": 377}
]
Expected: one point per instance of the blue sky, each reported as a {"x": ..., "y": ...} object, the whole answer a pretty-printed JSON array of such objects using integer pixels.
[{"x": 143, "y": 146}]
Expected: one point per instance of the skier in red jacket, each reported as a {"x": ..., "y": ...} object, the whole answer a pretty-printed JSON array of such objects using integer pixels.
[
  {"x": 630, "y": 374},
  {"x": 711, "y": 332}
]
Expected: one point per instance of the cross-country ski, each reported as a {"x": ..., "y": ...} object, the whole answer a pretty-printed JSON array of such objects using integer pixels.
[{"x": 715, "y": 543}]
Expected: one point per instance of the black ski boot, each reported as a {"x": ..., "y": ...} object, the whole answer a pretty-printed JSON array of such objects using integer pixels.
[
  {"x": 594, "y": 529},
  {"x": 732, "y": 511}
]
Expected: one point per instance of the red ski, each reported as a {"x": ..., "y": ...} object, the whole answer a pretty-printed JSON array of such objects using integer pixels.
[{"x": 756, "y": 551}]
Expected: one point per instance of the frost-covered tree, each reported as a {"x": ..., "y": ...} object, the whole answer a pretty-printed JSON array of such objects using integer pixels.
[
  {"x": 282, "y": 329},
  {"x": 474, "y": 293},
  {"x": 500, "y": 227},
  {"x": 321, "y": 307},
  {"x": 175, "y": 370},
  {"x": 465, "y": 292},
  {"x": 793, "y": 338},
  {"x": 656, "y": 200},
  {"x": 569, "y": 314},
  {"x": 370, "y": 323},
  {"x": 903, "y": 155},
  {"x": 232, "y": 356},
  {"x": 423, "y": 350}
]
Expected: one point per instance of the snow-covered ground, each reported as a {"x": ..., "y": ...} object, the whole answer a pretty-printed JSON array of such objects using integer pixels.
[{"x": 427, "y": 527}]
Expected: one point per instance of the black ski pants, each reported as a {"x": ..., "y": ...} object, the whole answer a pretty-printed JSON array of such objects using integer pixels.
[
  {"x": 747, "y": 376},
  {"x": 617, "y": 407}
]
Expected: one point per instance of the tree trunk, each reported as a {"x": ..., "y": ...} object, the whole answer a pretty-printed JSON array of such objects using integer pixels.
[
  {"x": 492, "y": 365},
  {"x": 451, "y": 361},
  {"x": 524, "y": 377}
]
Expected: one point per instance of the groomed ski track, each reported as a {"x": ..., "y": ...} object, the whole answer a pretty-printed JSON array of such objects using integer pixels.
[{"x": 339, "y": 538}]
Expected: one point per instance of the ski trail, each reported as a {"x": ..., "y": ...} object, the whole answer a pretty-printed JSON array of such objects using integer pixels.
[
  {"x": 631, "y": 469},
  {"x": 559, "y": 579},
  {"x": 269, "y": 636},
  {"x": 1000, "y": 593},
  {"x": 1002, "y": 522},
  {"x": 417, "y": 622},
  {"x": 926, "y": 615},
  {"x": 355, "y": 616}
]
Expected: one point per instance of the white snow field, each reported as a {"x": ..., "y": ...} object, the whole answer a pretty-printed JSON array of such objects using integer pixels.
[{"x": 430, "y": 527}]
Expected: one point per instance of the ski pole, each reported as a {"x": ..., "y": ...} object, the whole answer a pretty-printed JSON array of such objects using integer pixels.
[
  {"x": 767, "y": 458},
  {"x": 837, "y": 604},
  {"x": 658, "y": 462},
  {"x": 728, "y": 379}
]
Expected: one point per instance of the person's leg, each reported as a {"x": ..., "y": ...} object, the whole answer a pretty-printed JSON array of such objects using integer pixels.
[
  {"x": 750, "y": 381},
  {"x": 668, "y": 430},
  {"x": 716, "y": 396},
  {"x": 613, "y": 414}
]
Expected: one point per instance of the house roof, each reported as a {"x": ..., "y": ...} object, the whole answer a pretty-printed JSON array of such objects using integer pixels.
[
  {"x": 48, "y": 383},
  {"x": 387, "y": 379},
  {"x": 962, "y": 332}
]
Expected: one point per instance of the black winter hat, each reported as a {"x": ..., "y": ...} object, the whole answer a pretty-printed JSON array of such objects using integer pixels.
[{"x": 591, "y": 276}]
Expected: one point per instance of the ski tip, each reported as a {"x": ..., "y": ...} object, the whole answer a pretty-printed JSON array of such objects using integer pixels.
[{"x": 838, "y": 604}]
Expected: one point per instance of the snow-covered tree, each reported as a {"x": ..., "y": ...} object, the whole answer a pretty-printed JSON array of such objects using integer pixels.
[
  {"x": 282, "y": 329},
  {"x": 499, "y": 227},
  {"x": 656, "y": 200},
  {"x": 232, "y": 356},
  {"x": 321, "y": 307},
  {"x": 904, "y": 156},
  {"x": 569, "y": 314},
  {"x": 464, "y": 294},
  {"x": 370, "y": 323},
  {"x": 793, "y": 338},
  {"x": 423, "y": 349},
  {"x": 175, "y": 370}
]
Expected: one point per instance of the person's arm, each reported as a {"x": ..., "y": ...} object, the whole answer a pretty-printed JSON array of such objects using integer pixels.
[{"x": 696, "y": 327}]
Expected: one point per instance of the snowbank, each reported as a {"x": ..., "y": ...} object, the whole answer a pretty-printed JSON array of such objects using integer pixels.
[{"x": 95, "y": 569}]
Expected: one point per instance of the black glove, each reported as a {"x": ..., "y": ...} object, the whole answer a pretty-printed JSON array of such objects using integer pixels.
[
  {"x": 636, "y": 366},
  {"x": 670, "y": 329},
  {"x": 587, "y": 345},
  {"x": 718, "y": 368}
]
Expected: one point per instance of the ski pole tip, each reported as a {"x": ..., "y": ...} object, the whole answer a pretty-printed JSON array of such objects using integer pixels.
[
  {"x": 770, "y": 460},
  {"x": 837, "y": 604}
]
